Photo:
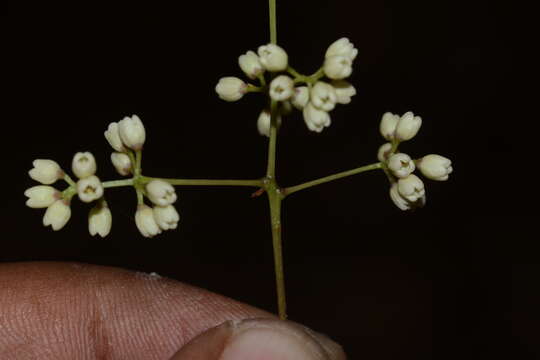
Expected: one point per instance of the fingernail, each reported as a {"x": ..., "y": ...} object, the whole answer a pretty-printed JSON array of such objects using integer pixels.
[{"x": 258, "y": 339}]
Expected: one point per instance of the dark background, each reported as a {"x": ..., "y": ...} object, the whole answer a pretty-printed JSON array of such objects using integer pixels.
[{"x": 458, "y": 278}]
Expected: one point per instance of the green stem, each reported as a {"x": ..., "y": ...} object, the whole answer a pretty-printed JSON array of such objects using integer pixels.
[
  {"x": 293, "y": 189},
  {"x": 201, "y": 182},
  {"x": 273, "y": 27},
  {"x": 117, "y": 183},
  {"x": 271, "y": 164}
]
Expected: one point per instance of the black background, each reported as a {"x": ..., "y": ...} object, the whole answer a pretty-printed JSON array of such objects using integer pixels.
[{"x": 458, "y": 278}]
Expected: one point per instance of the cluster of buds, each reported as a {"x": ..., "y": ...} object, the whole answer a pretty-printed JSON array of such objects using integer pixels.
[
  {"x": 407, "y": 190},
  {"x": 125, "y": 137},
  {"x": 316, "y": 99}
]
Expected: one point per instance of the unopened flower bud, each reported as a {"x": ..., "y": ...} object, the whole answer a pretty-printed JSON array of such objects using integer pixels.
[
  {"x": 401, "y": 165},
  {"x": 273, "y": 57},
  {"x": 113, "y": 137},
  {"x": 315, "y": 119},
  {"x": 435, "y": 167},
  {"x": 121, "y": 162},
  {"x": 399, "y": 201},
  {"x": 83, "y": 165},
  {"x": 264, "y": 122},
  {"x": 337, "y": 67},
  {"x": 132, "y": 132},
  {"x": 342, "y": 47},
  {"x": 384, "y": 152},
  {"x": 281, "y": 88},
  {"x": 161, "y": 192},
  {"x": 344, "y": 91},
  {"x": 408, "y": 126},
  {"x": 41, "y": 196},
  {"x": 231, "y": 88},
  {"x": 144, "y": 219},
  {"x": 300, "y": 97},
  {"x": 323, "y": 96},
  {"x": 166, "y": 217},
  {"x": 250, "y": 64},
  {"x": 46, "y": 171},
  {"x": 89, "y": 189},
  {"x": 388, "y": 125},
  {"x": 411, "y": 188},
  {"x": 57, "y": 215},
  {"x": 100, "y": 220}
]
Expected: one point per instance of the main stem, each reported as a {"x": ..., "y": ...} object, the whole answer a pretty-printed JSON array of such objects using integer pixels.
[{"x": 272, "y": 189}]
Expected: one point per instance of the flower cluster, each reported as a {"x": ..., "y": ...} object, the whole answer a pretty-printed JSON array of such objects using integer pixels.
[
  {"x": 127, "y": 138},
  {"x": 316, "y": 99},
  {"x": 407, "y": 190}
]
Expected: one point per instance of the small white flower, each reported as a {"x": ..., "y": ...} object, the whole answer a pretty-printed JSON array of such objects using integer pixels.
[
  {"x": 250, "y": 64},
  {"x": 300, "y": 97},
  {"x": 281, "y": 88},
  {"x": 411, "y": 188},
  {"x": 342, "y": 47},
  {"x": 315, "y": 119},
  {"x": 435, "y": 167},
  {"x": 57, "y": 215},
  {"x": 41, "y": 196},
  {"x": 337, "y": 67},
  {"x": 100, "y": 220},
  {"x": 401, "y": 165},
  {"x": 161, "y": 192},
  {"x": 89, "y": 189},
  {"x": 144, "y": 219},
  {"x": 113, "y": 137},
  {"x": 399, "y": 200},
  {"x": 264, "y": 122},
  {"x": 323, "y": 96},
  {"x": 388, "y": 125},
  {"x": 231, "y": 88},
  {"x": 83, "y": 164},
  {"x": 46, "y": 171},
  {"x": 166, "y": 217},
  {"x": 273, "y": 57},
  {"x": 408, "y": 126},
  {"x": 121, "y": 162},
  {"x": 132, "y": 132},
  {"x": 344, "y": 91},
  {"x": 384, "y": 152}
]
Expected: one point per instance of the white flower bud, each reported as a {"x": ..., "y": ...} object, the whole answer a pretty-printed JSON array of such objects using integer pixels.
[
  {"x": 388, "y": 125},
  {"x": 100, "y": 220},
  {"x": 144, "y": 219},
  {"x": 323, "y": 96},
  {"x": 89, "y": 189},
  {"x": 113, "y": 137},
  {"x": 300, "y": 97},
  {"x": 344, "y": 91},
  {"x": 411, "y": 188},
  {"x": 401, "y": 165},
  {"x": 231, "y": 88},
  {"x": 166, "y": 217},
  {"x": 264, "y": 122},
  {"x": 399, "y": 201},
  {"x": 132, "y": 132},
  {"x": 342, "y": 47},
  {"x": 83, "y": 165},
  {"x": 57, "y": 215},
  {"x": 250, "y": 64},
  {"x": 121, "y": 162},
  {"x": 408, "y": 126},
  {"x": 161, "y": 192},
  {"x": 273, "y": 57},
  {"x": 281, "y": 88},
  {"x": 41, "y": 196},
  {"x": 435, "y": 167},
  {"x": 46, "y": 171},
  {"x": 384, "y": 152},
  {"x": 315, "y": 119},
  {"x": 337, "y": 67}
]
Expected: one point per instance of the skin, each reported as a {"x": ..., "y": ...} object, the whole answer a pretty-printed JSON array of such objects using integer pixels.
[{"x": 78, "y": 311}]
